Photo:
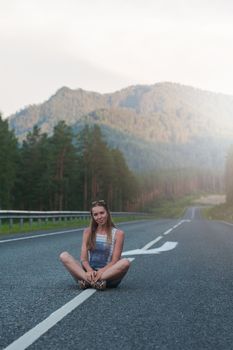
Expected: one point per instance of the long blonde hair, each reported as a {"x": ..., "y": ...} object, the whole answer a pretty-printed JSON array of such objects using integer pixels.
[{"x": 93, "y": 224}]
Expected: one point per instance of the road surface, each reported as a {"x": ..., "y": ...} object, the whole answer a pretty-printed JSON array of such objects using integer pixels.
[{"x": 176, "y": 295}]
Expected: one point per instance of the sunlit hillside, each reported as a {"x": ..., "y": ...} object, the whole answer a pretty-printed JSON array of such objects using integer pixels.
[{"x": 156, "y": 126}]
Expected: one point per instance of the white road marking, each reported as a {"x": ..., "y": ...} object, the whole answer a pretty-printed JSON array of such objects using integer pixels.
[
  {"x": 185, "y": 220},
  {"x": 131, "y": 259},
  {"x": 165, "y": 247},
  {"x": 148, "y": 245},
  {"x": 35, "y": 333},
  {"x": 225, "y": 222},
  {"x": 175, "y": 226},
  {"x": 40, "y": 235},
  {"x": 182, "y": 221},
  {"x": 168, "y": 231},
  {"x": 61, "y": 232},
  {"x": 31, "y": 336}
]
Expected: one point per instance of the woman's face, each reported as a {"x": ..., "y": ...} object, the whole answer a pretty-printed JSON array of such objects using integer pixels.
[{"x": 100, "y": 215}]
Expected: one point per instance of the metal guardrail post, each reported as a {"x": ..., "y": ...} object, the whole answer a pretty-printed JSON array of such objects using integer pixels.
[
  {"x": 11, "y": 223},
  {"x": 21, "y": 223}
]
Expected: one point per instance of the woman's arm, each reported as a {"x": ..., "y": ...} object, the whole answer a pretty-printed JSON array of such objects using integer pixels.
[
  {"x": 118, "y": 246},
  {"x": 90, "y": 273}
]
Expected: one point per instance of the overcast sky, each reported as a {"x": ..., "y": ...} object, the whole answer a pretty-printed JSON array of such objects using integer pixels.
[{"x": 106, "y": 45}]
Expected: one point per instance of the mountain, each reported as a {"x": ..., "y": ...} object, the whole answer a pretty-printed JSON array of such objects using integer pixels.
[{"x": 156, "y": 126}]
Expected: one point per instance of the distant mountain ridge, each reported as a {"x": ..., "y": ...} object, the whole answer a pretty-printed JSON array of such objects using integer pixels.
[{"x": 160, "y": 125}]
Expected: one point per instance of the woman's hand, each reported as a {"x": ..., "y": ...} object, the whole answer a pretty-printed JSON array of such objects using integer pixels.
[
  {"x": 98, "y": 274},
  {"x": 90, "y": 276}
]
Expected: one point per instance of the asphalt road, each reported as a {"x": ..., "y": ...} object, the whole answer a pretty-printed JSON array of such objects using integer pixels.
[{"x": 173, "y": 299}]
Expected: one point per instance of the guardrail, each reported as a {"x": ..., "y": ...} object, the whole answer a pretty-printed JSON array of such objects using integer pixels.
[{"x": 21, "y": 216}]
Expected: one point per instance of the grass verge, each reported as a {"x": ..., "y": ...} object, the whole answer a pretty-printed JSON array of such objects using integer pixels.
[
  {"x": 6, "y": 229},
  {"x": 172, "y": 209},
  {"x": 219, "y": 212}
]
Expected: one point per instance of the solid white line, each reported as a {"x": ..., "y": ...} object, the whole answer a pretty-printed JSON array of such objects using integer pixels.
[
  {"x": 40, "y": 235},
  {"x": 225, "y": 222},
  {"x": 31, "y": 336},
  {"x": 148, "y": 245},
  {"x": 35, "y": 333}
]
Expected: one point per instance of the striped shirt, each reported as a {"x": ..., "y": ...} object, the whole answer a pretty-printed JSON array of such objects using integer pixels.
[{"x": 102, "y": 254}]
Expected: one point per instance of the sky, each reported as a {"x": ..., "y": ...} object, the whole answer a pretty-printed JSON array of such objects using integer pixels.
[{"x": 107, "y": 45}]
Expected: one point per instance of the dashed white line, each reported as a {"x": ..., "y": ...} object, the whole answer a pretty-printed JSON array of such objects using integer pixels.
[
  {"x": 175, "y": 226},
  {"x": 168, "y": 231},
  {"x": 148, "y": 245}
]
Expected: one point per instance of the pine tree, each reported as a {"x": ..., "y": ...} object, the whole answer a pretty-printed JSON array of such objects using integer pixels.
[
  {"x": 95, "y": 164},
  {"x": 33, "y": 177},
  {"x": 8, "y": 164},
  {"x": 105, "y": 174},
  {"x": 124, "y": 184},
  {"x": 63, "y": 155}
]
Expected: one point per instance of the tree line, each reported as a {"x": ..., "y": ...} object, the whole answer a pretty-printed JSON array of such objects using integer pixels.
[{"x": 67, "y": 170}]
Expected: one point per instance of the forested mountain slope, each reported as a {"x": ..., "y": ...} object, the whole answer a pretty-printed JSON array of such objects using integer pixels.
[{"x": 156, "y": 126}]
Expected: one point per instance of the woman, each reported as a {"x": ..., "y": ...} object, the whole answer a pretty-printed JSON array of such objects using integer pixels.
[{"x": 102, "y": 245}]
